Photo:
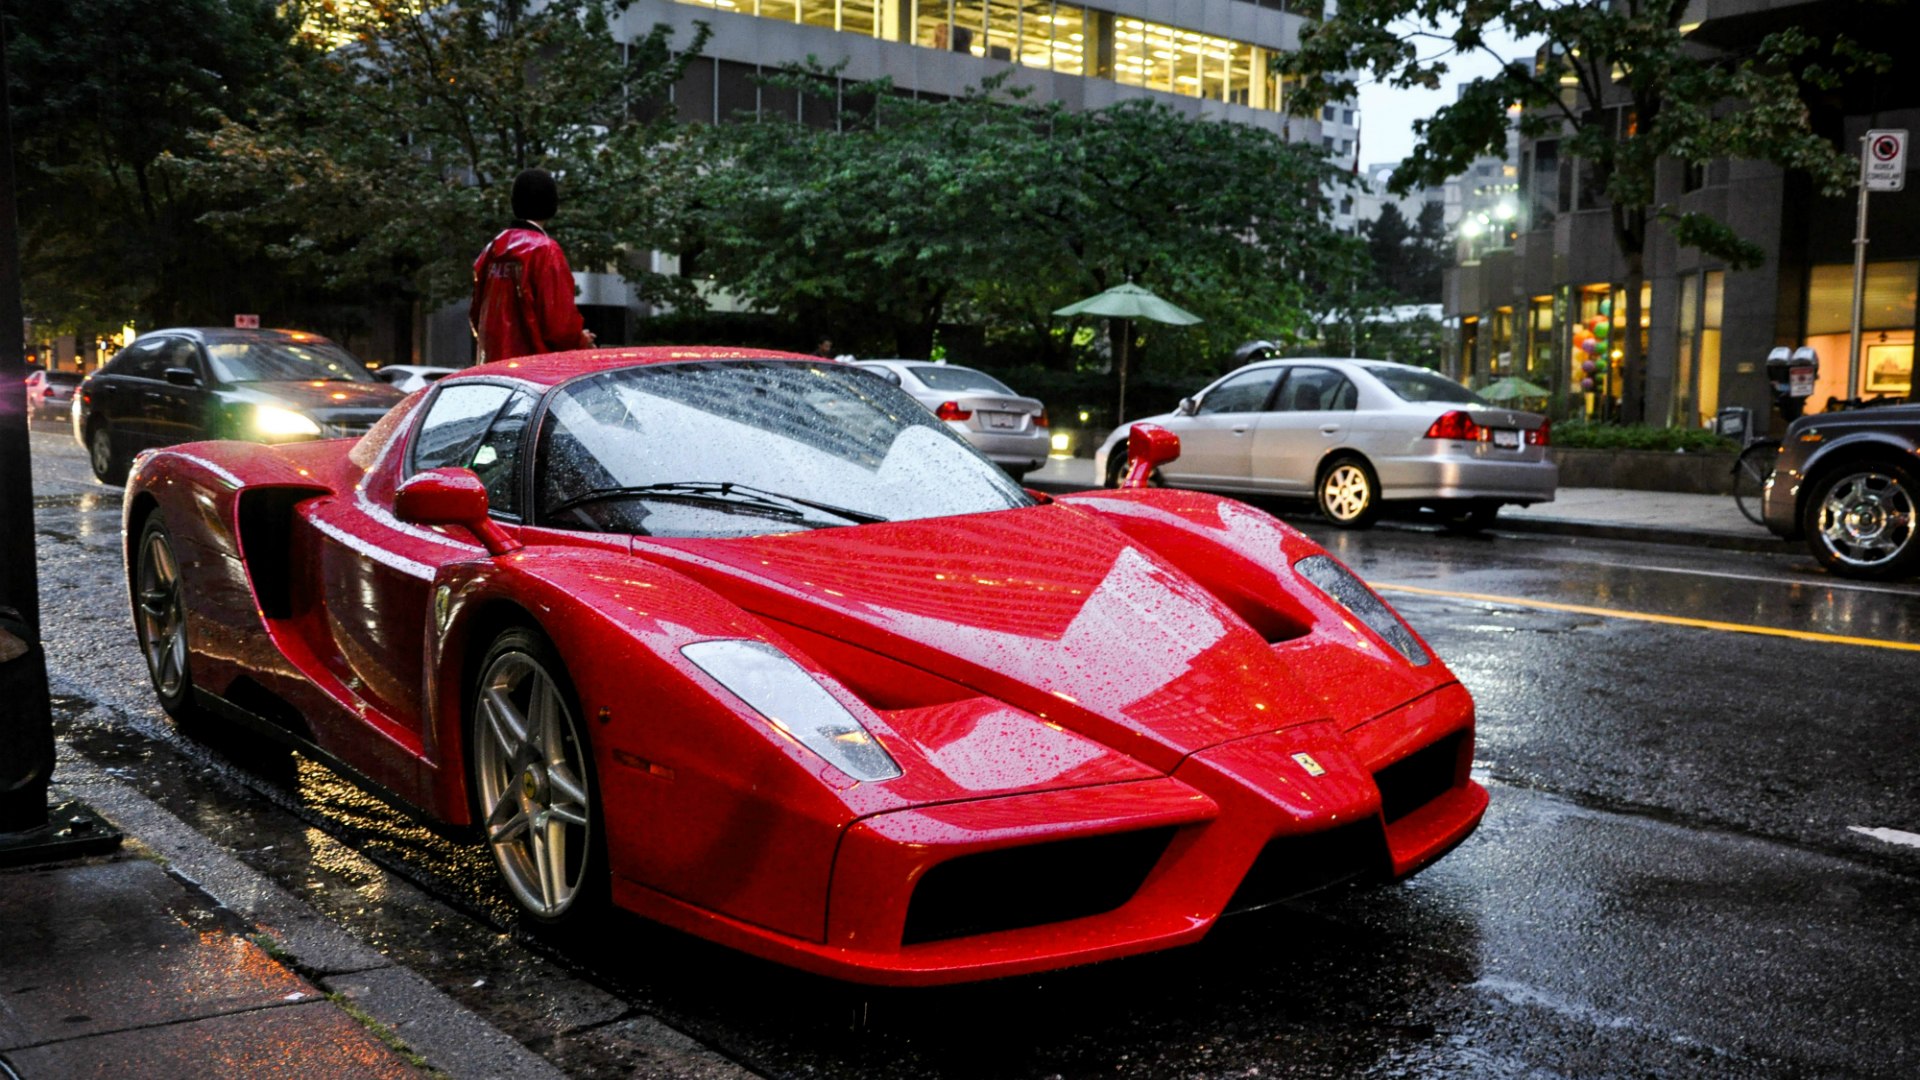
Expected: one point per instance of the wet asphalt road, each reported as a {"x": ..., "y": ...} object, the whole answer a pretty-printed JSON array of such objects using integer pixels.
[{"x": 1671, "y": 880}]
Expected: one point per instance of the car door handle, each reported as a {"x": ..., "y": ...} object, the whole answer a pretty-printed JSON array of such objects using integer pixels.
[
  {"x": 1329, "y": 429},
  {"x": 1239, "y": 429}
]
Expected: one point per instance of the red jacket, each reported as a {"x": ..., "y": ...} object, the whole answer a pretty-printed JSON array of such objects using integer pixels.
[{"x": 523, "y": 297}]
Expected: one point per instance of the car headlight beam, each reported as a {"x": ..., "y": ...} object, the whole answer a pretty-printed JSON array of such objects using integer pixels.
[
  {"x": 1338, "y": 582},
  {"x": 273, "y": 421},
  {"x": 792, "y": 700}
]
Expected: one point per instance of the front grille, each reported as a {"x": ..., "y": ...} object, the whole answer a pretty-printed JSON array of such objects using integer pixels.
[
  {"x": 1030, "y": 886},
  {"x": 1291, "y": 866},
  {"x": 1419, "y": 778}
]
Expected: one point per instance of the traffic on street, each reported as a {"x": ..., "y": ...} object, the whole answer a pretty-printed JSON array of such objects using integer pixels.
[{"x": 1699, "y": 855}]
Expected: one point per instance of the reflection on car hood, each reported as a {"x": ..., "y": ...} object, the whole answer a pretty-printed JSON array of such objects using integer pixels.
[
  {"x": 317, "y": 395},
  {"x": 1043, "y": 608}
]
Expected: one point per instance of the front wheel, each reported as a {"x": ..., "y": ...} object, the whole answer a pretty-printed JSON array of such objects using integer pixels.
[
  {"x": 1348, "y": 494},
  {"x": 160, "y": 622},
  {"x": 108, "y": 467},
  {"x": 1750, "y": 472},
  {"x": 533, "y": 778},
  {"x": 1860, "y": 520}
]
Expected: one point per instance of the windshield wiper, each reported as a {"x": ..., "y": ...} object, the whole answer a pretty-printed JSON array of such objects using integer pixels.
[{"x": 722, "y": 493}]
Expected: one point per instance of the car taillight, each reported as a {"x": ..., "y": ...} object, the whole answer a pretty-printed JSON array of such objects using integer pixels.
[
  {"x": 1043, "y": 420},
  {"x": 1542, "y": 435},
  {"x": 951, "y": 410},
  {"x": 1455, "y": 425}
]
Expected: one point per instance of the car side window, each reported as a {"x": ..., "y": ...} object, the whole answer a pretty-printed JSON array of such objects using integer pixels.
[
  {"x": 181, "y": 353},
  {"x": 1245, "y": 392},
  {"x": 497, "y": 459},
  {"x": 1313, "y": 389},
  {"x": 455, "y": 423},
  {"x": 142, "y": 359}
]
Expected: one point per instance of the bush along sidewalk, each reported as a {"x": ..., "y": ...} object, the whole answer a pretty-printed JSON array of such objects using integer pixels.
[{"x": 1583, "y": 435}]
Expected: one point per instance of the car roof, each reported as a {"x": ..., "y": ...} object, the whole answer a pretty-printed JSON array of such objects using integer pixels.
[
  {"x": 207, "y": 334},
  {"x": 552, "y": 369}
]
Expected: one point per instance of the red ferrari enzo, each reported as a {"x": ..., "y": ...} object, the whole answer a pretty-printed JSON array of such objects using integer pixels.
[{"x": 753, "y": 645}]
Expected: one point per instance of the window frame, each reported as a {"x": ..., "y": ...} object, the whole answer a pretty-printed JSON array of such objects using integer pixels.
[{"x": 410, "y": 464}]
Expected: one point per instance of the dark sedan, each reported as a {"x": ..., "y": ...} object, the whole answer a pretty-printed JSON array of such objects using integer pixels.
[
  {"x": 1848, "y": 482},
  {"x": 183, "y": 385}
]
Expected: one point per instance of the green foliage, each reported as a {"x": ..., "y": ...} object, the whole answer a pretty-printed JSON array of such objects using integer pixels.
[
  {"x": 991, "y": 211},
  {"x": 387, "y": 161},
  {"x": 101, "y": 92},
  {"x": 1408, "y": 257},
  {"x": 1581, "y": 435}
]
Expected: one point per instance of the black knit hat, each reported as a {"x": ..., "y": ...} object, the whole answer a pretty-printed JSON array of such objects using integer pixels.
[{"x": 535, "y": 198}]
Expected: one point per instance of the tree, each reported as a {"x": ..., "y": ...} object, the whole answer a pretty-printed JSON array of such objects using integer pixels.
[
  {"x": 1623, "y": 87},
  {"x": 103, "y": 91},
  {"x": 385, "y": 165}
]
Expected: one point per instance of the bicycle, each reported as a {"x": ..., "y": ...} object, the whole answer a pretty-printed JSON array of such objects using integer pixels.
[{"x": 1751, "y": 471}]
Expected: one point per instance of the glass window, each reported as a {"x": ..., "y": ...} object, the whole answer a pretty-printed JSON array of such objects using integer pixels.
[
  {"x": 1313, "y": 389},
  {"x": 144, "y": 359},
  {"x": 950, "y": 377},
  {"x": 1686, "y": 336},
  {"x": 496, "y": 460},
  {"x": 180, "y": 353},
  {"x": 1246, "y": 391},
  {"x": 1412, "y": 384},
  {"x": 1712, "y": 307},
  {"x": 1071, "y": 39},
  {"x": 273, "y": 359},
  {"x": 749, "y": 447},
  {"x": 1887, "y": 304},
  {"x": 455, "y": 423}
]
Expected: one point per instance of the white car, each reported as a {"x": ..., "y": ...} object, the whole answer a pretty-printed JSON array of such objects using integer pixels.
[
  {"x": 1012, "y": 431},
  {"x": 407, "y": 378},
  {"x": 1352, "y": 435}
]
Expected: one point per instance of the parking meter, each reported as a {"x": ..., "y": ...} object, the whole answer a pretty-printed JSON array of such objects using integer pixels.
[{"x": 1792, "y": 373}]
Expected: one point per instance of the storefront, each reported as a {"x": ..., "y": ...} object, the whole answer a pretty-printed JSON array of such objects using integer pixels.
[{"x": 1886, "y": 329}]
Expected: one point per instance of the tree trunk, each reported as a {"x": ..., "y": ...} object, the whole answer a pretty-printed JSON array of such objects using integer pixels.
[{"x": 1120, "y": 334}]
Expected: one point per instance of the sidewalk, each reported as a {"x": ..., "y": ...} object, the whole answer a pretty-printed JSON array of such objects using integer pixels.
[
  {"x": 1660, "y": 517},
  {"x": 171, "y": 958}
]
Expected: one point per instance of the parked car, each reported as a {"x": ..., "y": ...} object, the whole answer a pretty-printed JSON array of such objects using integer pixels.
[
  {"x": 1010, "y": 429},
  {"x": 1354, "y": 435},
  {"x": 1848, "y": 483},
  {"x": 407, "y": 378},
  {"x": 50, "y": 393},
  {"x": 175, "y": 386},
  {"x": 752, "y": 645}
]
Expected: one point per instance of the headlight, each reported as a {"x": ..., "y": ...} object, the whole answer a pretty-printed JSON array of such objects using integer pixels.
[
  {"x": 272, "y": 421},
  {"x": 1337, "y": 581},
  {"x": 790, "y": 699}
]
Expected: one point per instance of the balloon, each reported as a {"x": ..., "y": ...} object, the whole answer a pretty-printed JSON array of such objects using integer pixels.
[
  {"x": 1590, "y": 346},
  {"x": 1580, "y": 333},
  {"x": 1606, "y": 307},
  {"x": 1602, "y": 331},
  {"x": 1586, "y": 384},
  {"x": 1589, "y": 366}
]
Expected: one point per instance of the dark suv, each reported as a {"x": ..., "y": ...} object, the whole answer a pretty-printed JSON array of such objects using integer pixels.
[
  {"x": 175, "y": 386},
  {"x": 1849, "y": 483}
]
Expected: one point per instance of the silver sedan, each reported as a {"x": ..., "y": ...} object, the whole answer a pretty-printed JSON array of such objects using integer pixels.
[
  {"x": 1010, "y": 430},
  {"x": 1352, "y": 435}
]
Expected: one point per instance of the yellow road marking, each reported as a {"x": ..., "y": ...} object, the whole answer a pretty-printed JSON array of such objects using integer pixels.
[{"x": 1644, "y": 616}]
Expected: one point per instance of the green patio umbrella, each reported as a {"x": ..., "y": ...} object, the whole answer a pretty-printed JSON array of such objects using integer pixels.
[
  {"x": 1128, "y": 302},
  {"x": 1511, "y": 387}
]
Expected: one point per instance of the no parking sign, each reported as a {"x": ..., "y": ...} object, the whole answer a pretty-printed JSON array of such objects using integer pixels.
[{"x": 1884, "y": 160}]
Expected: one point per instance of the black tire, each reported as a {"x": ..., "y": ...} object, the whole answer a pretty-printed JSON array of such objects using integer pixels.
[
  {"x": 1860, "y": 519},
  {"x": 1347, "y": 493},
  {"x": 108, "y": 466},
  {"x": 1467, "y": 516},
  {"x": 160, "y": 622},
  {"x": 1750, "y": 472},
  {"x": 526, "y": 787}
]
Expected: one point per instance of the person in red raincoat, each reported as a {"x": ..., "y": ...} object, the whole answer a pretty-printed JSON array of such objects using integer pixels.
[{"x": 522, "y": 285}]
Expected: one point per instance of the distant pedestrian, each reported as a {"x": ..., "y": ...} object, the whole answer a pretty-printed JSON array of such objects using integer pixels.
[
  {"x": 522, "y": 286},
  {"x": 824, "y": 350}
]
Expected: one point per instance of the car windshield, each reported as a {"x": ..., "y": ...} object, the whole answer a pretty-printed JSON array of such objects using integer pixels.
[
  {"x": 947, "y": 377},
  {"x": 283, "y": 360},
  {"x": 745, "y": 447},
  {"x": 1414, "y": 384}
]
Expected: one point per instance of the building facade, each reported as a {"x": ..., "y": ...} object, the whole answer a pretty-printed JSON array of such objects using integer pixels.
[{"x": 1529, "y": 308}]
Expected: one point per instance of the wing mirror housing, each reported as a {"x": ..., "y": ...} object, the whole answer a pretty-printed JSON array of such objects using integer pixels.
[
  {"x": 180, "y": 376},
  {"x": 1188, "y": 406},
  {"x": 452, "y": 497},
  {"x": 1149, "y": 446}
]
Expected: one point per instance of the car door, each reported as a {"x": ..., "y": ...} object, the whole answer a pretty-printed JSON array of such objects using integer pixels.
[
  {"x": 118, "y": 395},
  {"x": 177, "y": 413},
  {"x": 1216, "y": 440},
  {"x": 377, "y": 572},
  {"x": 1312, "y": 414}
]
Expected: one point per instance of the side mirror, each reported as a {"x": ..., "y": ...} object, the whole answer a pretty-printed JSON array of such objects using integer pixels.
[
  {"x": 1149, "y": 446},
  {"x": 452, "y": 497},
  {"x": 1188, "y": 406},
  {"x": 181, "y": 376}
]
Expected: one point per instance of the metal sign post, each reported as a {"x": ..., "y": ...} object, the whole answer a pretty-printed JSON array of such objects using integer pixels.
[{"x": 1883, "y": 167}]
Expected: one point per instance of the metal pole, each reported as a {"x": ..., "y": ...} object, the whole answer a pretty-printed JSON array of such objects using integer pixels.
[{"x": 1859, "y": 279}]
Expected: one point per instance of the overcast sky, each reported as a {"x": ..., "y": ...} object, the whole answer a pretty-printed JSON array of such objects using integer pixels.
[{"x": 1387, "y": 114}]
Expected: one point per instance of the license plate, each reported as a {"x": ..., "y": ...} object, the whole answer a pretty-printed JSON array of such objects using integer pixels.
[
  {"x": 1506, "y": 440},
  {"x": 1001, "y": 420}
]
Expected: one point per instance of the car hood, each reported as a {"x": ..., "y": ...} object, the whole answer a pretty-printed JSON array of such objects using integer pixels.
[
  {"x": 317, "y": 395},
  {"x": 1046, "y": 608}
]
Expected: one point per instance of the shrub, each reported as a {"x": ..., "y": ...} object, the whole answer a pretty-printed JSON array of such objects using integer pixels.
[{"x": 1581, "y": 435}]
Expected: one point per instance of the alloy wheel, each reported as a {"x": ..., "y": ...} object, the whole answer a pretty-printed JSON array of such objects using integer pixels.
[
  {"x": 1346, "y": 493},
  {"x": 532, "y": 773},
  {"x": 163, "y": 617},
  {"x": 1867, "y": 520}
]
